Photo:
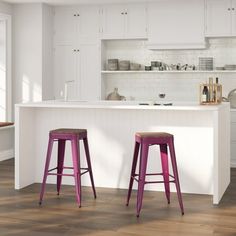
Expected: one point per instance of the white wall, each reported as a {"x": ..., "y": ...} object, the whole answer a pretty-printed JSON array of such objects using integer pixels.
[
  {"x": 6, "y": 143},
  {"x": 27, "y": 52},
  {"x": 3, "y": 69},
  {"x": 6, "y": 134},
  {"x": 5, "y": 8},
  {"x": 47, "y": 60}
]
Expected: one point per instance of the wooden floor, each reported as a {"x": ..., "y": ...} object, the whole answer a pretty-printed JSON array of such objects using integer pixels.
[{"x": 20, "y": 213}]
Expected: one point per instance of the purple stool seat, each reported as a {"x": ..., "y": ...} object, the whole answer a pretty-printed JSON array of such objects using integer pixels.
[
  {"x": 61, "y": 136},
  {"x": 164, "y": 140}
]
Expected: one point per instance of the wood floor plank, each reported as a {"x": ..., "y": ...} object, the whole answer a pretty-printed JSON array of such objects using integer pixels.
[{"x": 20, "y": 213}]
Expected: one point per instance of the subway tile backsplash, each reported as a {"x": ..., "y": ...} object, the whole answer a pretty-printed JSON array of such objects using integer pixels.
[{"x": 176, "y": 86}]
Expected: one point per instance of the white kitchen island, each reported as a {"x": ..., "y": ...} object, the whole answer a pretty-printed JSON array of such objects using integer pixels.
[{"x": 202, "y": 142}]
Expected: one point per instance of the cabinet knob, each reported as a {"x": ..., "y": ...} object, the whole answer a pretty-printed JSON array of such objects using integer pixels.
[
  {"x": 77, "y": 50},
  {"x": 126, "y": 13},
  {"x": 233, "y": 8},
  {"x": 229, "y": 9},
  {"x": 74, "y": 50},
  {"x": 77, "y": 14},
  {"x": 122, "y": 13},
  {"x": 74, "y": 14}
]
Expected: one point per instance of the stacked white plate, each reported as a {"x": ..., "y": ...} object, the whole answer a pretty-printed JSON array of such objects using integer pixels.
[
  {"x": 230, "y": 67},
  {"x": 112, "y": 64},
  {"x": 124, "y": 65},
  {"x": 205, "y": 63}
]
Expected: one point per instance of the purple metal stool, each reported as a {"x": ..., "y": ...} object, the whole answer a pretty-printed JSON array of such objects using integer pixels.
[
  {"x": 61, "y": 136},
  {"x": 145, "y": 140}
]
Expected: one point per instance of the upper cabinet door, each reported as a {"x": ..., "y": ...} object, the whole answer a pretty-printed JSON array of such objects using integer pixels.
[
  {"x": 64, "y": 71},
  {"x": 65, "y": 24},
  {"x": 113, "y": 22},
  {"x": 218, "y": 18},
  {"x": 233, "y": 11},
  {"x": 88, "y": 24},
  {"x": 136, "y": 21},
  {"x": 176, "y": 24}
]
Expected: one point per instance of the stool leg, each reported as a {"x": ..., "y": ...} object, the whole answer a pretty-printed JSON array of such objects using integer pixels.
[
  {"x": 175, "y": 172},
  {"x": 49, "y": 152},
  {"x": 142, "y": 175},
  {"x": 76, "y": 166},
  {"x": 165, "y": 170},
  {"x": 60, "y": 163},
  {"x": 86, "y": 148},
  {"x": 132, "y": 175}
]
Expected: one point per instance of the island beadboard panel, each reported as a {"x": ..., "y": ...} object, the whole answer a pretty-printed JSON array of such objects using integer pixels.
[{"x": 202, "y": 142}]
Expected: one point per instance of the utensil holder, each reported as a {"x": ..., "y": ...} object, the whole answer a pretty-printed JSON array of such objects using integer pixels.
[{"x": 214, "y": 96}]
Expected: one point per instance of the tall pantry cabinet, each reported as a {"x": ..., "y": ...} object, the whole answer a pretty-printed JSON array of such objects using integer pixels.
[{"x": 77, "y": 52}]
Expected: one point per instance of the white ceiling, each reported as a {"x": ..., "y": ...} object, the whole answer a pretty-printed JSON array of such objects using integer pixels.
[{"x": 67, "y": 2}]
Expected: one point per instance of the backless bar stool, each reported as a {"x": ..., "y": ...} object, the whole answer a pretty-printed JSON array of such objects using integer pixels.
[
  {"x": 61, "y": 136},
  {"x": 145, "y": 140}
]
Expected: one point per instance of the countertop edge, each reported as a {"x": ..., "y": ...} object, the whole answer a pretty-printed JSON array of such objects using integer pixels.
[{"x": 122, "y": 107}]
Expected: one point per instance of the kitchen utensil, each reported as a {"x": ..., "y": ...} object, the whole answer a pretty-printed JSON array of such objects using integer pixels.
[
  {"x": 232, "y": 98},
  {"x": 230, "y": 67},
  {"x": 148, "y": 68},
  {"x": 155, "y": 68},
  {"x": 220, "y": 68},
  {"x": 115, "y": 96},
  {"x": 135, "y": 66},
  {"x": 153, "y": 63}
]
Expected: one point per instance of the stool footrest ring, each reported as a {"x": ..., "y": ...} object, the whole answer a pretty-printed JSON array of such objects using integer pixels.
[
  {"x": 61, "y": 174},
  {"x": 154, "y": 182},
  {"x": 69, "y": 168}
]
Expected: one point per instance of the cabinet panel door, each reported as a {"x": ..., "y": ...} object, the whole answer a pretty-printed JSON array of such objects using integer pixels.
[
  {"x": 64, "y": 26},
  {"x": 233, "y": 132},
  {"x": 176, "y": 24},
  {"x": 64, "y": 70},
  {"x": 88, "y": 24},
  {"x": 218, "y": 18},
  {"x": 233, "y": 153},
  {"x": 113, "y": 22},
  {"x": 136, "y": 21},
  {"x": 89, "y": 72},
  {"x": 233, "y": 12}
]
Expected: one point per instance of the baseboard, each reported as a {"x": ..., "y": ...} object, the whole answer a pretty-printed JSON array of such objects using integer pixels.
[{"x": 6, "y": 154}]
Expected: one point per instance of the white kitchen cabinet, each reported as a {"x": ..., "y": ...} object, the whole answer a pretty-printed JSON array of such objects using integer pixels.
[
  {"x": 89, "y": 68},
  {"x": 79, "y": 68},
  {"x": 136, "y": 21},
  {"x": 65, "y": 26},
  {"x": 76, "y": 55},
  {"x": 76, "y": 24},
  {"x": 113, "y": 22},
  {"x": 65, "y": 63},
  {"x": 88, "y": 24},
  {"x": 220, "y": 18},
  {"x": 176, "y": 24},
  {"x": 233, "y": 14},
  {"x": 233, "y": 138},
  {"x": 124, "y": 21}
]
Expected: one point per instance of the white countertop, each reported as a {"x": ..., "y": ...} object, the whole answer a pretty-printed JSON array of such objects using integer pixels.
[{"x": 121, "y": 105}]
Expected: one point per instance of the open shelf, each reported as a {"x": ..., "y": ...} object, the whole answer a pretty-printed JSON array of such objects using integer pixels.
[{"x": 165, "y": 72}]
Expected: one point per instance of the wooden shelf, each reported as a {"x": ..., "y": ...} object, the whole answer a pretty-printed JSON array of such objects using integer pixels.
[{"x": 167, "y": 72}]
